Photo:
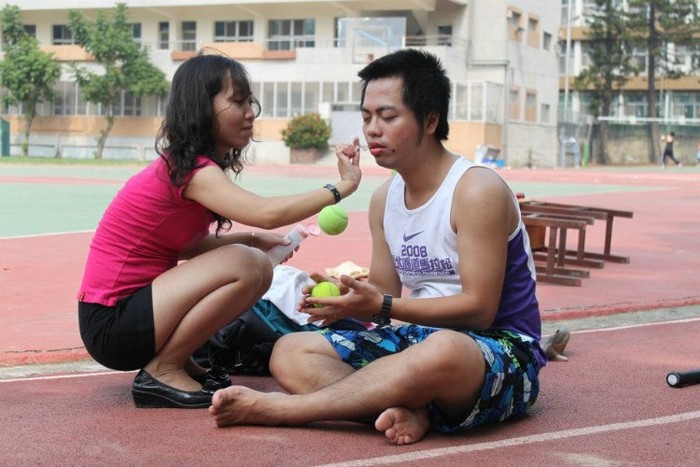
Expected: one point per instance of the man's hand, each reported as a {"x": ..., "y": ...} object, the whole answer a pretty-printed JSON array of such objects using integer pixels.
[{"x": 361, "y": 300}]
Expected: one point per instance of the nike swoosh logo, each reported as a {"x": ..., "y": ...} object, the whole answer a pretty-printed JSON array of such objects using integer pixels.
[{"x": 408, "y": 237}]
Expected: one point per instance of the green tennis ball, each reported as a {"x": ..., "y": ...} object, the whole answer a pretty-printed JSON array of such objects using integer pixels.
[
  {"x": 333, "y": 219},
  {"x": 325, "y": 289}
]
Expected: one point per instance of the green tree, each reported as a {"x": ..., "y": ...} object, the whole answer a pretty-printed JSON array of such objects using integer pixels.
[
  {"x": 608, "y": 47},
  {"x": 126, "y": 66},
  {"x": 28, "y": 73},
  {"x": 662, "y": 27}
]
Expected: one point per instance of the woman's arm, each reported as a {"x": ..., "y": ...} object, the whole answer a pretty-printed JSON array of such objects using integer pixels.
[{"x": 212, "y": 188}]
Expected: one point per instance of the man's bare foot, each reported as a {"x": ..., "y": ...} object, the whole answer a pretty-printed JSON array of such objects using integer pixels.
[
  {"x": 555, "y": 344},
  {"x": 403, "y": 426},
  {"x": 239, "y": 405}
]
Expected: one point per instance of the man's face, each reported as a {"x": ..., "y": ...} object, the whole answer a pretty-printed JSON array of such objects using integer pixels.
[{"x": 390, "y": 128}]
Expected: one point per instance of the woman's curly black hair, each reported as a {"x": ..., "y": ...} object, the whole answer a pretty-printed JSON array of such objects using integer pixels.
[{"x": 188, "y": 129}]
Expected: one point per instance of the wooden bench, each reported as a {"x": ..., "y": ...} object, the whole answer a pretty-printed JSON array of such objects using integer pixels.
[
  {"x": 548, "y": 243},
  {"x": 574, "y": 212}
]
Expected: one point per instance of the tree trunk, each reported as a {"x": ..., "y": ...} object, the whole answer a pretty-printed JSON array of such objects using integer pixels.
[
  {"x": 605, "y": 126},
  {"x": 653, "y": 48},
  {"x": 28, "y": 119},
  {"x": 603, "y": 142},
  {"x": 104, "y": 134}
]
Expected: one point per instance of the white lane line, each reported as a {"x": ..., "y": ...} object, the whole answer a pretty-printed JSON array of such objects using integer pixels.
[
  {"x": 639, "y": 325},
  {"x": 522, "y": 440},
  {"x": 51, "y": 234},
  {"x": 53, "y": 377}
]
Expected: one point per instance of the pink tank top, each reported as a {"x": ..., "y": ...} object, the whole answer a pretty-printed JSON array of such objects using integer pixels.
[{"x": 141, "y": 234}]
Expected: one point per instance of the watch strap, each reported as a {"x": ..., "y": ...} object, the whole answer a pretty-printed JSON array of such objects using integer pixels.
[
  {"x": 384, "y": 316},
  {"x": 334, "y": 191}
]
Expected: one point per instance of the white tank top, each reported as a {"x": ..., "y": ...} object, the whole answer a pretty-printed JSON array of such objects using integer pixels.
[
  {"x": 421, "y": 240},
  {"x": 424, "y": 248}
]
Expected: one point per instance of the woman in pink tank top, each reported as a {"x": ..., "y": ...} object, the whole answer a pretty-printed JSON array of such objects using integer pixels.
[{"x": 157, "y": 284}]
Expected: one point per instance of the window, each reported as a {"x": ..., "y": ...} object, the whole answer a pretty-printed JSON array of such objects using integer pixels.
[
  {"x": 684, "y": 105},
  {"x": 683, "y": 57},
  {"x": 62, "y": 35},
  {"x": 514, "y": 100},
  {"x": 635, "y": 104},
  {"x": 639, "y": 58},
  {"x": 281, "y": 98},
  {"x": 311, "y": 97},
  {"x": 547, "y": 41},
  {"x": 66, "y": 99},
  {"x": 164, "y": 35},
  {"x": 586, "y": 54},
  {"x": 30, "y": 29},
  {"x": 296, "y": 98},
  {"x": 131, "y": 105},
  {"x": 444, "y": 33},
  {"x": 533, "y": 32},
  {"x": 562, "y": 58},
  {"x": 288, "y": 34},
  {"x": 189, "y": 35},
  {"x": 515, "y": 27},
  {"x": 544, "y": 113},
  {"x": 590, "y": 7},
  {"x": 531, "y": 105},
  {"x": 565, "y": 12},
  {"x": 136, "y": 32},
  {"x": 233, "y": 31}
]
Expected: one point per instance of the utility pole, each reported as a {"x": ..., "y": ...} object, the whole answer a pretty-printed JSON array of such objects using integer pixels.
[{"x": 567, "y": 60}]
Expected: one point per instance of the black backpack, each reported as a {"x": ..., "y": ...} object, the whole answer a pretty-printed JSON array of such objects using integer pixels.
[{"x": 244, "y": 346}]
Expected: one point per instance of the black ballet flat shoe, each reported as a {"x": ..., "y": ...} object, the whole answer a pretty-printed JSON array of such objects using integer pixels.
[
  {"x": 148, "y": 392},
  {"x": 213, "y": 380},
  {"x": 216, "y": 379}
]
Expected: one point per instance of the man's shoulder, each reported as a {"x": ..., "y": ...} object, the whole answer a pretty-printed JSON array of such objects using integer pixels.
[
  {"x": 481, "y": 186},
  {"x": 381, "y": 192}
]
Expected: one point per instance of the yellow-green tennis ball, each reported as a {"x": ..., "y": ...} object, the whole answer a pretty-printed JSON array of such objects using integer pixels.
[
  {"x": 325, "y": 289},
  {"x": 333, "y": 219}
]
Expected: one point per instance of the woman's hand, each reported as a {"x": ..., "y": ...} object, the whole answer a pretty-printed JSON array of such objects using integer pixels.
[
  {"x": 266, "y": 240},
  {"x": 349, "y": 167}
]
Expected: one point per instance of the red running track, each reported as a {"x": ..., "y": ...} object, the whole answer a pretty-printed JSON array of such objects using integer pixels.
[
  {"x": 609, "y": 405},
  {"x": 40, "y": 275}
]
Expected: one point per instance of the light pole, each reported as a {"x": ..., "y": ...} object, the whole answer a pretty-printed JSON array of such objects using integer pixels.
[{"x": 567, "y": 59}]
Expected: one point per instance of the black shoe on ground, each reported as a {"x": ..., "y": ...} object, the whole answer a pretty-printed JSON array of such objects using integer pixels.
[
  {"x": 148, "y": 392},
  {"x": 213, "y": 380}
]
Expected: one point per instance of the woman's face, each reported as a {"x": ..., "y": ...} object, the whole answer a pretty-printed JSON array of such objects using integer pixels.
[{"x": 234, "y": 114}]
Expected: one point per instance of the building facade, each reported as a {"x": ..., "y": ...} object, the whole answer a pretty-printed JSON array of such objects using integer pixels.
[
  {"x": 678, "y": 100},
  {"x": 303, "y": 56}
]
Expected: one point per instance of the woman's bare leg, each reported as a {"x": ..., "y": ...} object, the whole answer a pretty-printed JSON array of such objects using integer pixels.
[{"x": 192, "y": 301}]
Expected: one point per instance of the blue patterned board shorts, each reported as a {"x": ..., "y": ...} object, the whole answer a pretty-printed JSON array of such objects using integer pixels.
[{"x": 511, "y": 383}]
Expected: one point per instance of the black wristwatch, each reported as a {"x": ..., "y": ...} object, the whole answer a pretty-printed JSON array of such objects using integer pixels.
[
  {"x": 334, "y": 191},
  {"x": 384, "y": 316}
]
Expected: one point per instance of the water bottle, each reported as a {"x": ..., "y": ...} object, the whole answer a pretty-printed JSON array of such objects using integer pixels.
[{"x": 295, "y": 236}]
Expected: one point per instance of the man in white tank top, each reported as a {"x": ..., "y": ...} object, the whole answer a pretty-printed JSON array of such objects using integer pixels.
[{"x": 463, "y": 348}]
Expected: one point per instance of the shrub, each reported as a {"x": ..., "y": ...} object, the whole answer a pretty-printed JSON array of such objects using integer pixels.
[{"x": 307, "y": 131}]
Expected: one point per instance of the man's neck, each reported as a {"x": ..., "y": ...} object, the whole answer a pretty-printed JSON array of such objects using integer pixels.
[{"x": 425, "y": 175}]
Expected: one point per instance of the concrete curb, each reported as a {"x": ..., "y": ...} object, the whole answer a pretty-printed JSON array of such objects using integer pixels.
[
  {"x": 39, "y": 357},
  {"x": 77, "y": 354}
]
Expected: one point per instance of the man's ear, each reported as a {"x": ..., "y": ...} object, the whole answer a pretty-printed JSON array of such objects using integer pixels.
[{"x": 431, "y": 122}]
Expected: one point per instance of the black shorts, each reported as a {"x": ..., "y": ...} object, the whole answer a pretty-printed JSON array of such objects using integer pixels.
[{"x": 120, "y": 337}]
